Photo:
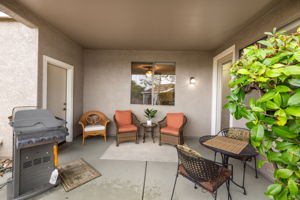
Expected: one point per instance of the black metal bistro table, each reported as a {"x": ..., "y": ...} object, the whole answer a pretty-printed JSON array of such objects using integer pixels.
[
  {"x": 149, "y": 129},
  {"x": 248, "y": 151}
]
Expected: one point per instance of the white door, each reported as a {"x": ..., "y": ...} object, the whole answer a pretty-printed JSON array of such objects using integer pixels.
[
  {"x": 57, "y": 90},
  {"x": 221, "y": 118},
  {"x": 225, "y": 91}
]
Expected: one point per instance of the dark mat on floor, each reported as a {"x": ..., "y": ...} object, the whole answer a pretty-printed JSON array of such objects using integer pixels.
[{"x": 76, "y": 173}]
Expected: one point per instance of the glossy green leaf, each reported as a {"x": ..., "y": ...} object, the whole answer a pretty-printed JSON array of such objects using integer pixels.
[
  {"x": 275, "y": 59},
  {"x": 295, "y": 82},
  {"x": 294, "y": 100},
  {"x": 289, "y": 159},
  {"x": 297, "y": 56},
  {"x": 269, "y": 120},
  {"x": 268, "y": 144},
  {"x": 235, "y": 82},
  {"x": 293, "y": 187},
  {"x": 282, "y": 88},
  {"x": 266, "y": 43},
  {"x": 292, "y": 70},
  {"x": 247, "y": 114},
  {"x": 285, "y": 97},
  {"x": 282, "y": 78},
  {"x": 250, "y": 125},
  {"x": 283, "y": 132},
  {"x": 230, "y": 106},
  {"x": 278, "y": 65},
  {"x": 274, "y": 73},
  {"x": 272, "y": 105},
  {"x": 295, "y": 150},
  {"x": 274, "y": 156},
  {"x": 283, "y": 173},
  {"x": 257, "y": 109},
  {"x": 241, "y": 95},
  {"x": 251, "y": 102},
  {"x": 243, "y": 71},
  {"x": 293, "y": 110},
  {"x": 262, "y": 79},
  {"x": 277, "y": 99},
  {"x": 268, "y": 96},
  {"x": 280, "y": 113},
  {"x": 237, "y": 114},
  {"x": 283, "y": 145},
  {"x": 257, "y": 132},
  {"x": 274, "y": 189},
  {"x": 282, "y": 195}
]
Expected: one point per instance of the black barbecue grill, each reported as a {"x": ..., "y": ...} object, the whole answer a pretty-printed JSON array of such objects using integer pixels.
[{"x": 35, "y": 133}]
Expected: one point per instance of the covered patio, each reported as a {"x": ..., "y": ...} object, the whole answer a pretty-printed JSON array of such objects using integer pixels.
[{"x": 132, "y": 82}]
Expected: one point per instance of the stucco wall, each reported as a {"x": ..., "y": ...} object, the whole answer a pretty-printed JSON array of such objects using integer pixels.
[
  {"x": 18, "y": 74},
  {"x": 107, "y": 76},
  {"x": 54, "y": 44},
  {"x": 278, "y": 15}
]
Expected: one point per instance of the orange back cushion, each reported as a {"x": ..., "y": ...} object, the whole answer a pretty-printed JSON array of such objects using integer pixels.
[
  {"x": 175, "y": 120},
  {"x": 123, "y": 117}
]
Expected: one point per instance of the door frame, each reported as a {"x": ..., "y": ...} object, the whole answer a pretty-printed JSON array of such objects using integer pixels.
[
  {"x": 70, "y": 86},
  {"x": 216, "y": 101}
]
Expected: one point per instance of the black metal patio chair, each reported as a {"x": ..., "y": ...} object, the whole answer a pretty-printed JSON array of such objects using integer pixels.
[{"x": 202, "y": 172}]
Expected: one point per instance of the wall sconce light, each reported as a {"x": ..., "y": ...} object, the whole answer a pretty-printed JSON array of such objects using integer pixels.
[{"x": 192, "y": 80}]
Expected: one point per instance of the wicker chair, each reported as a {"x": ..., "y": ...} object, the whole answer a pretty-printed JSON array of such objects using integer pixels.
[
  {"x": 239, "y": 134},
  {"x": 127, "y": 126},
  {"x": 171, "y": 129},
  {"x": 93, "y": 123},
  {"x": 205, "y": 173}
]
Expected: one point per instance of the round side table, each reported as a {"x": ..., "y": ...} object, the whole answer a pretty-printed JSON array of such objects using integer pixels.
[{"x": 148, "y": 129}]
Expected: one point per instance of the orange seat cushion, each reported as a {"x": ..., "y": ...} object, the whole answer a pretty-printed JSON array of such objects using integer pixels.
[
  {"x": 175, "y": 120},
  {"x": 127, "y": 128},
  {"x": 170, "y": 130},
  {"x": 123, "y": 117}
]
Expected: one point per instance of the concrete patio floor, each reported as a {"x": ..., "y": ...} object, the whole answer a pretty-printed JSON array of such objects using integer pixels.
[{"x": 127, "y": 180}]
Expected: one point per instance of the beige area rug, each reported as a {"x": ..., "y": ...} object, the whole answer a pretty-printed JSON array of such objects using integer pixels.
[
  {"x": 147, "y": 151},
  {"x": 76, "y": 173}
]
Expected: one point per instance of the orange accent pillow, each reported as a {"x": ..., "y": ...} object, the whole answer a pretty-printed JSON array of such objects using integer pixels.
[
  {"x": 123, "y": 117},
  {"x": 175, "y": 120}
]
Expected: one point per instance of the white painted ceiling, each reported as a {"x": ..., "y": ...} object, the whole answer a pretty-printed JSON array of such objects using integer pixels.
[{"x": 148, "y": 24}]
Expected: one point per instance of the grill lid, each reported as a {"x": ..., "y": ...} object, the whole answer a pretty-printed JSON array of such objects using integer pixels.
[
  {"x": 35, "y": 120},
  {"x": 43, "y": 136}
]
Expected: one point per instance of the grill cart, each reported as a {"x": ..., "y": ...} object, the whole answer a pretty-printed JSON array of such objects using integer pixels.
[{"x": 36, "y": 133}]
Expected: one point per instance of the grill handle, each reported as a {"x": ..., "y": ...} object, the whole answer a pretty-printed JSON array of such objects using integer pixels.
[{"x": 55, "y": 155}]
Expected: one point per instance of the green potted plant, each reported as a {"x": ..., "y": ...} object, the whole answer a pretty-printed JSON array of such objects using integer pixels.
[
  {"x": 273, "y": 71},
  {"x": 150, "y": 114}
]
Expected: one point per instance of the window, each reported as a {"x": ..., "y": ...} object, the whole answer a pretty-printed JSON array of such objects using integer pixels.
[{"x": 153, "y": 83}]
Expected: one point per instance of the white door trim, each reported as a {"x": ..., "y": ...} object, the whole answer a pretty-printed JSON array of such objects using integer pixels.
[
  {"x": 216, "y": 117},
  {"x": 70, "y": 86}
]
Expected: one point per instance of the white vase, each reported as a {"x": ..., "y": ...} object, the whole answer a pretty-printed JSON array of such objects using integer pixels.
[{"x": 149, "y": 122}]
